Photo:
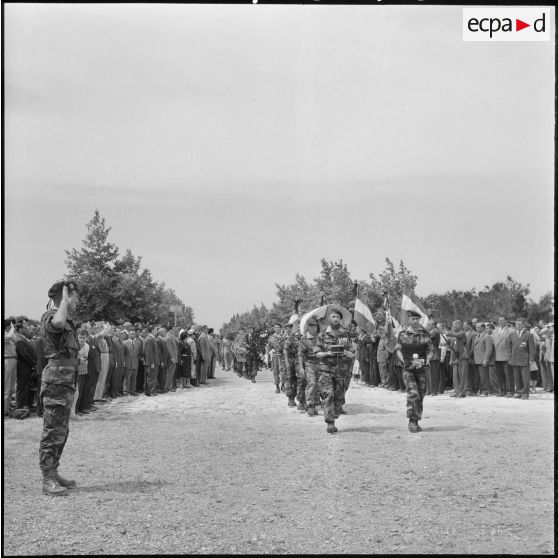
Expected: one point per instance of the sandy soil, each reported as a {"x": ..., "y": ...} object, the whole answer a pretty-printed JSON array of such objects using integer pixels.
[{"x": 230, "y": 468}]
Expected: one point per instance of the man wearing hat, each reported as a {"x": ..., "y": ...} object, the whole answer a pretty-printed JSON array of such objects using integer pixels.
[
  {"x": 10, "y": 364},
  {"x": 274, "y": 348},
  {"x": 58, "y": 383},
  {"x": 414, "y": 351},
  {"x": 335, "y": 357}
]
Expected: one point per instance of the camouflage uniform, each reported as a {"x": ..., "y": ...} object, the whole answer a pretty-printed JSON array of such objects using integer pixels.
[
  {"x": 333, "y": 370},
  {"x": 58, "y": 387},
  {"x": 275, "y": 342},
  {"x": 410, "y": 342},
  {"x": 290, "y": 351},
  {"x": 309, "y": 378}
]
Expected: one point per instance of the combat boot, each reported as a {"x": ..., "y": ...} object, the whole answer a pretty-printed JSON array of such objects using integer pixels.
[
  {"x": 311, "y": 411},
  {"x": 419, "y": 429},
  {"x": 253, "y": 380},
  {"x": 291, "y": 402},
  {"x": 283, "y": 386},
  {"x": 66, "y": 483},
  {"x": 413, "y": 426},
  {"x": 51, "y": 487},
  {"x": 301, "y": 406},
  {"x": 331, "y": 428},
  {"x": 277, "y": 390}
]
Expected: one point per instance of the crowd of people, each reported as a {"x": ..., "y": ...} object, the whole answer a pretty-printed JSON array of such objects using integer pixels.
[
  {"x": 115, "y": 360},
  {"x": 473, "y": 358}
]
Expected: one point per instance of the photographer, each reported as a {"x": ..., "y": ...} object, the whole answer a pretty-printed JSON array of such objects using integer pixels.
[{"x": 414, "y": 351}]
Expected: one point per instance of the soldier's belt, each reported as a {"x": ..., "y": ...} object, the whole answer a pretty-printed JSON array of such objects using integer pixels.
[{"x": 64, "y": 362}]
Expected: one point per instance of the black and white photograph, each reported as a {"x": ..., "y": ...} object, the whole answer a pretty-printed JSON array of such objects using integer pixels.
[{"x": 278, "y": 278}]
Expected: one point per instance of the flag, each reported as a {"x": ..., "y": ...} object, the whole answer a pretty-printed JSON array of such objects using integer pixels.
[
  {"x": 409, "y": 302},
  {"x": 363, "y": 316}
]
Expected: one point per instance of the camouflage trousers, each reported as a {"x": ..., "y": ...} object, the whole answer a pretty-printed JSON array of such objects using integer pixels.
[
  {"x": 332, "y": 390},
  {"x": 57, "y": 402},
  {"x": 301, "y": 384},
  {"x": 291, "y": 379},
  {"x": 415, "y": 382},
  {"x": 348, "y": 375},
  {"x": 278, "y": 368},
  {"x": 311, "y": 374},
  {"x": 251, "y": 368}
]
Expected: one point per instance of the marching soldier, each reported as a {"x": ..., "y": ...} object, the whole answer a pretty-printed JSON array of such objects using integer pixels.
[
  {"x": 290, "y": 352},
  {"x": 308, "y": 367},
  {"x": 414, "y": 351},
  {"x": 274, "y": 348},
  {"x": 58, "y": 384},
  {"x": 335, "y": 357}
]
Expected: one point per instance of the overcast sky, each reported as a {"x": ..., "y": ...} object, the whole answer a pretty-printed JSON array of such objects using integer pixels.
[{"x": 234, "y": 146}]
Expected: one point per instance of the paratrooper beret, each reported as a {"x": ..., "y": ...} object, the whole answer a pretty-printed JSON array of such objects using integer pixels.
[{"x": 56, "y": 289}]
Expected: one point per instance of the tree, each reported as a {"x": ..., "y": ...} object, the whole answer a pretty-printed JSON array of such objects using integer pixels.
[{"x": 116, "y": 288}]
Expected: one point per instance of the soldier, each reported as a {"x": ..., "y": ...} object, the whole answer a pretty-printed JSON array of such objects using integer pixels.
[
  {"x": 274, "y": 348},
  {"x": 414, "y": 351},
  {"x": 58, "y": 384},
  {"x": 290, "y": 353},
  {"x": 308, "y": 367},
  {"x": 251, "y": 366},
  {"x": 336, "y": 354}
]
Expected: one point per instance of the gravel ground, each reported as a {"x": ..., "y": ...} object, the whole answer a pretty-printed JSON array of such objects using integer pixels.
[{"x": 229, "y": 468}]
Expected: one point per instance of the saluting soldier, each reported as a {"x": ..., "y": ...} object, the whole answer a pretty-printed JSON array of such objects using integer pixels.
[
  {"x": 414, "y": 351},
  {"x": 336, "y": 354},
  {"x": 58, "y": 383}
]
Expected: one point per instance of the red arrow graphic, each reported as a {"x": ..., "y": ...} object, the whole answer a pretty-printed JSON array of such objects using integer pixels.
[{"x": 519, "y": 25}]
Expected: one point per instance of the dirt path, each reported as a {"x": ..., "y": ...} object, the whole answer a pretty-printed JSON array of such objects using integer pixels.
[{"x": 230, "y": 468}]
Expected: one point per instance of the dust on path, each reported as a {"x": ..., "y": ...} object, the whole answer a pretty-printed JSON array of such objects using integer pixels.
[{"x": 230, "y": 468}]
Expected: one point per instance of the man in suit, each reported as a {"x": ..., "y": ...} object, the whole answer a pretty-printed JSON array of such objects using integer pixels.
[
  {"x": 522, "y": 355},
  {"x": 473, "y": 383},
  {"x": 205, "y": 353},
  {"x": 26, "y": 362},
  {"x": 163, "y": 360},
  {"x": 151, "y": 361},
  {"x": 172, "y": 356},
  {"x": 459, "y": 358},
  {"x": 482, "y": 349},
  {"x": 134, "y": 349},
  {"x": 433, "y": 375},
  {"x": 215, "y": 352},
  {"x": 502, "y": 353},
  {"x": 84, "y": 402},
  {"x": 10, "y": 365}
]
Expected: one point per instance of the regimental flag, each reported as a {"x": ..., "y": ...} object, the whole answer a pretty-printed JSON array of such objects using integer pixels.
[
  {"x": 409, "y": 302},
  {"x": 363, "y": 316}
]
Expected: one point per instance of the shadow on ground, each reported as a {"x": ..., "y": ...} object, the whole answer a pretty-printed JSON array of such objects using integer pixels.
[{"x": 124, "y": 486}]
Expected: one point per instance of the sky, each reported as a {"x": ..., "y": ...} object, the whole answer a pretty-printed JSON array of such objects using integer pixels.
[{"x": 234, "y": 146}]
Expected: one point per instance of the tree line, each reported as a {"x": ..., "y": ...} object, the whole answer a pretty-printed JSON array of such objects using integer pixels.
[{"x": 507, "y": 298}]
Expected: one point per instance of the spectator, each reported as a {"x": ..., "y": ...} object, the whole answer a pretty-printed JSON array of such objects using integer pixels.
[
  {"x": 10, "y": 365},
  {"x": 482, "y": 349},
  {"x": 523, "y": 354},
  {"x": 26, "y": 363},
  {"x": 82, "y": 371},
  {"x": 459, "y": 358},
  {"x": 502, "y": 348}
]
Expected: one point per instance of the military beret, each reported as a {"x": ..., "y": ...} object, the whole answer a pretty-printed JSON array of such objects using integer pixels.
[
  {"x": 56, "y": 289},
  {"x": 336, "y": 311},
  {"x": 413, "y": 314},
  {"x": 312, "y": 322},
  {"x": 210, "y": 330},
  {"x": 288, "y": 325}
]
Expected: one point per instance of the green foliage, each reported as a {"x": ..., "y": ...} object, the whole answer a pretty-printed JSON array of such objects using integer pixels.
[
  {"x": 508, "y": 299},
  {"x": 116, "y": 288}
]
